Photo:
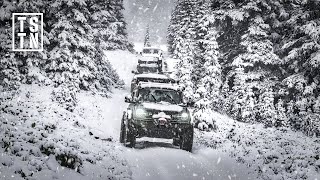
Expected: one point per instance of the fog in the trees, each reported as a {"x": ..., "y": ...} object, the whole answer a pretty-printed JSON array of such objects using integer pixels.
[{"x": 140, "y": 13}]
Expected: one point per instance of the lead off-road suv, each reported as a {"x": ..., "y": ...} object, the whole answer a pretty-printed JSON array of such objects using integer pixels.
[{"x": 157, "y": 110}]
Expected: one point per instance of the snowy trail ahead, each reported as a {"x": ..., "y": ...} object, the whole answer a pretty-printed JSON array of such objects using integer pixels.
[{"x": 159, "y": 159}]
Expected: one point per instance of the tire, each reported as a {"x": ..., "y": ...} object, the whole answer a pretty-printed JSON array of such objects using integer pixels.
[
  {"x": 127, "y": 135},
  {"x": 160, "y": 66},
  {"x": 186, "y": 139},
  {"x": 123, "y": 129}
]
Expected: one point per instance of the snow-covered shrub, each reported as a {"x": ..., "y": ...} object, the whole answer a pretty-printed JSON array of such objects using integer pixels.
[
  {"x": 10, "y": 76},
  {"x": 65, "y": 95},
  {"x": 69, "y": 160},
  {"x": 281, "y": 119},
  {"x": 204, "y": 119},
  {"x": 266, "y": 109}
]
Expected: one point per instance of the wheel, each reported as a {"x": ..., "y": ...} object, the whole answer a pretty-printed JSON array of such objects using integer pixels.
[
  {"x": 127, "y": 135},
  {"x": 130, "y": 138},
  {"x": 123, "y": 129},
  {"x": 186, "y": 139}
]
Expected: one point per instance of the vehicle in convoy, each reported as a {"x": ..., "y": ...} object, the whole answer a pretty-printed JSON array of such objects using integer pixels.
[
  {"x": 152, "y": 52},
  {"x": 149, "y": 64},
  {"x": 150, "y": 77},
  {"x": 157, "y": 110}
]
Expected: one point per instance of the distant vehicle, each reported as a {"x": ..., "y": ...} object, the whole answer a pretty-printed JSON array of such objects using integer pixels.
[
  {"x": 152, "y": 52},
  {"x": 149, "y": 64},
  {"x": 157, "y": 110},
  {"x": 150, "y": 77}
]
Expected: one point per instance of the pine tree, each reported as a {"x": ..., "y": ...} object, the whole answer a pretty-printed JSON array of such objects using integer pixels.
[
  {"x": 299, "y": 49},
  {"x": 9, "y": 67},
  {"x": 266, "y": 113},
  {"x": 109, "y": 27},
  {"x": 183, "y": 23},
  {"x": 147, "y": 38},
  {"x": 19, "y": 67},
  {"x": 208, "y": 75},
  {"x": 72, "y": 52}
]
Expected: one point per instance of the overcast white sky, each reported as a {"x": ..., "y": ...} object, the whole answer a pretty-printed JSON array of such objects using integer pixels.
[{"x": 140, "y": 13}]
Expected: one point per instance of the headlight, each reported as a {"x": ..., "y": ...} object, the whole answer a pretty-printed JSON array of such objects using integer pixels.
[
  {"x": 129, "y": 113},
  {"x": 140, "y": 113},
  {"x": 184, "y": 116}
]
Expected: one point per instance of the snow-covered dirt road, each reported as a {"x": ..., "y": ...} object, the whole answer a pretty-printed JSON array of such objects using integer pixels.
[{"x": 157, "y": 158}]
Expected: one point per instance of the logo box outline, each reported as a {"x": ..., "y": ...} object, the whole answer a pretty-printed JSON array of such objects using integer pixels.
[{"x": 13, "y": 28}]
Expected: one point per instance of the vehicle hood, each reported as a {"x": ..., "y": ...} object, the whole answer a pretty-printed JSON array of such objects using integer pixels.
[{"x": 162, "y": 107}]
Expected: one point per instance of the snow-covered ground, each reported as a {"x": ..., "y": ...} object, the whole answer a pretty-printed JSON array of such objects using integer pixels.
[
  {"x": 271, "y": 153},
  {"x": 41, "y": 140}
]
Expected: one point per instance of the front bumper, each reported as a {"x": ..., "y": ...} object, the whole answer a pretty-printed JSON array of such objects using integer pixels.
[{"x": 150, "y": 128}]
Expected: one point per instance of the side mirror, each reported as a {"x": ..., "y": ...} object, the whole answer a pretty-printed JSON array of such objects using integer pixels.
[
  {"x": 128, "y": 99},
  {"x": 134, "y": 72},
  {"x": 190, "y": 103}
]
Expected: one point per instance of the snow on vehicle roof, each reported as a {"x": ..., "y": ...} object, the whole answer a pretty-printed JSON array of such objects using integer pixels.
[
  {"x": 151, "y": 48},
  {"x": 148, "y": 58},
  {"x": 149, "y": 65},
  {"x": 159, "y": 85},
  {"x": 151, "y": 75}
]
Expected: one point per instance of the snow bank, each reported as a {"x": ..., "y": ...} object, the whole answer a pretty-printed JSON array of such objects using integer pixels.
[
  {"x": 273, "y": 153},
  {"x": 124, "y": 62},
  {"x": 41, "y": 140}
]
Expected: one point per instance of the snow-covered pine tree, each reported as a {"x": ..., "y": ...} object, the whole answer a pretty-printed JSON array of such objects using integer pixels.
[
  {"x": 19, "y": 67},
  {"x": 9, "y": 66},
  {"x": 184, "y": 52},
  {"x": 184, "y": 19},
  {"x": 107, "y": 22},
  {"x": 208, "y": 73},
  {"x": 281, "y": 118},
  {"x": 147, "y": 38},
  {"x": 269, "y": 51},
  {"x": 298, "y": 25},
  {"x": 266, "y": 112},
  {"x": 257, "y": 61},
  {"x": 175, "y": 24},
  {"x": 72, "y": 48}
]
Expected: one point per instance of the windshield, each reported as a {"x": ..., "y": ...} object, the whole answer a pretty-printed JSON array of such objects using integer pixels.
[
  {"x": 160, "y": 96},
  {"x": 147, "y": 51},
  {"x": 153, "y": 80},
  {"x": 150, "y": 51}
]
